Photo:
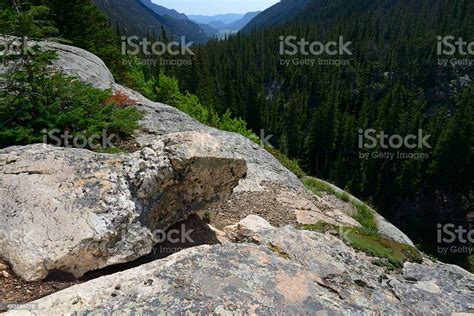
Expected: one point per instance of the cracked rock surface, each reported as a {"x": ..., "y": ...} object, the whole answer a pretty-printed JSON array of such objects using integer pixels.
[
  {"x": 289, "y": 272},
  {"x": 75, "y": 211}
]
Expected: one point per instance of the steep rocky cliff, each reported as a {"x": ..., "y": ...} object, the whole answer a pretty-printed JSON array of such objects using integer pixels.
[{"x": 92, "y": 210}]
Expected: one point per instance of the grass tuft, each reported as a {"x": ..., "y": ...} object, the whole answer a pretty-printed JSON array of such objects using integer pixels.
[
  {"x": 276, "y": 249},
  {"x": 389, "y": 253},
  {"x": 364, "y": 214},
  {"x": 317, "y": 187}
]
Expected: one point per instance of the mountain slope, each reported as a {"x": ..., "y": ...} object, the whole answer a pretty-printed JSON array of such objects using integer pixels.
[
  {"x": 239, "y": 24},
  {"x": 217, "y": 24},
  {"x": 137, "y": 18},
  {"x": 277, "y": 14},
  {"x": 132, "y": 17},
  {"x": 158, "y": 9},
  {"x": 209, "y": 30},
  {"x": 178, "y": 22}
]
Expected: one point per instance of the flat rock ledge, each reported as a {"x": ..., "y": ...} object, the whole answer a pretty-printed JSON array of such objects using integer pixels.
[
  {"x": 284, "y": 271},
  {"x": 75, "y": 211}
]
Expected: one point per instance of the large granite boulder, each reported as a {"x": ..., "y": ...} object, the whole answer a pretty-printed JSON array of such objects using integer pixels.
[{"x": 75, "y": 211}]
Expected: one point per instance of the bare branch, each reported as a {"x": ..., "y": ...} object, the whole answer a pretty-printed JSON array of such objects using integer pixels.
[{"x": 15, "y": 6}]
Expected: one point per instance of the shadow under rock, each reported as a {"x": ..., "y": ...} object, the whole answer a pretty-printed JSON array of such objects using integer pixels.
[{"x": 189, "y": 233}]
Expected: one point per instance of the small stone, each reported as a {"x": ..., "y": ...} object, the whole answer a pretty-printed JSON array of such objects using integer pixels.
[
  {"x": 3, "y": 267},
  {"x": 411, "y": 279},
  {"x": 5, "y": 274},
  {"x": 148, "y": 282},
  {"x": 142, "y": 165}
]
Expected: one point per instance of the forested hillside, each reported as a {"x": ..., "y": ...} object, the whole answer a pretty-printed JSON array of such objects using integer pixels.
[
  {"x": 25, "y": 112},
  {"x": 392, "y": 82},
  {"x": 277, "y": 14}
]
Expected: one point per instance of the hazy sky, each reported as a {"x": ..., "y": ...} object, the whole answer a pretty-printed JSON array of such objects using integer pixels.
[{"x": 212, "y": 7}]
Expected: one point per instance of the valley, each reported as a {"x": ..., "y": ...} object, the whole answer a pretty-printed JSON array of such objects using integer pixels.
[{"x": 287, "y": 157}]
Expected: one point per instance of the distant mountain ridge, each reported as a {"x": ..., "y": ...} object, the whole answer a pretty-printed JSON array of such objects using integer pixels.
[
  {"x": 164, "y": 11},
  {"x": 239, "y": 24},
  {"x": 222, "y": 24},
  {"x": 143, "y": 18},
  {"x": 131, "y": 17},
  {"x": 225, "y": 18},
  {"x": 277, "y": 14}
]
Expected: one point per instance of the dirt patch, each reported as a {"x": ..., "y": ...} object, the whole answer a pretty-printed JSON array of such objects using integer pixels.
[
  {"x": 13, "y": 290},
  {"x": 128, "y": 145},
  {"x": 264, "y": 204},
  {"x": 336, "y": 203}
]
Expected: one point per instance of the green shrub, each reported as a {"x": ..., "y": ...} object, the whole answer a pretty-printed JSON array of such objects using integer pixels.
[
  {"x": 35, "y": 99},
  {"x": 136, "y": 79},
  {"x": 60, "y": 103},
  {"x": 168, "y": 90},
  {"x": 235, "y": 125},
  {"x": 189, "y": 104}
]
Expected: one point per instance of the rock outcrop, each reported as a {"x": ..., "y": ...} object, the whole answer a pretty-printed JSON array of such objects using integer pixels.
[
  {"x": 75, "y": 211},
  {"x": 289, "y": 272}
]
